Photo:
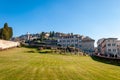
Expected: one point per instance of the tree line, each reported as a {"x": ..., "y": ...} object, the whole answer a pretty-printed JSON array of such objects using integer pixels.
[{"x": 6, "y": 32}]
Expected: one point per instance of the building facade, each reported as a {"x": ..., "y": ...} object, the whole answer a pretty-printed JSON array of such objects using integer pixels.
[
  {"x": 85, "y": 44},
  {"x": 109, "y": 47}
]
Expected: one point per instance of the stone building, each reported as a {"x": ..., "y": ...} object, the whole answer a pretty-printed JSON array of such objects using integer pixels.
[{"x": 85, "y": 44}]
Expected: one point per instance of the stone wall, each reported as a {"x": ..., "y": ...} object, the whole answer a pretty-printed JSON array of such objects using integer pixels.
[{"x": 8, "y": 44}]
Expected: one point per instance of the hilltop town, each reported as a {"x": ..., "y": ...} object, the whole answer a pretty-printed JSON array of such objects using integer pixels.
[
  {"x": 84, "y": 43},
  {"x": 108, "y": 47}
]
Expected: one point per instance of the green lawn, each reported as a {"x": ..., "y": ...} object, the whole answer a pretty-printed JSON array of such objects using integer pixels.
[{"x": 28, "y": 64}]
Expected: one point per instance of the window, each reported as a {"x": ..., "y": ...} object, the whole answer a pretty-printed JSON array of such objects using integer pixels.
[
  {"x": 118, "y": 45},
  {"x": 72, "y": 40},
  {"x": 64, "y": 41},
  {"x": 113, "y": 44},
  {"x": 60, "y": 40},
  {"x": 76, "y": 40},
  {"x": 109, "y": 44},
  {"x": 114, "y": 50},
  {"x": 76, "y": 45},
  {"x": 80, "y": 45},
  {"x": 109, "y": 50},
  {"x": 68, "y": 40}
]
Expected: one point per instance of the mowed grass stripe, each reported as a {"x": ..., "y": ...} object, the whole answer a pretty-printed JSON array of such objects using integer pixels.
[
  {"x": 102, "y": 68},
  {"x": 17, "y": 74},
  {"x": 21, "y": 64},
  {"x": 97, "y": 71}
]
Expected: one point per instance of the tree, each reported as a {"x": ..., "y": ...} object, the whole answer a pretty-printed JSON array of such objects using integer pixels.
[
  {"x": 42, "y": 36},
  {"x": 10, "y": 32},
  {"x": 6, "y": 25},
  {"x": 52, "y": 34},
  {"x": 0, "y": 33},
  {"x": 6, "y": 32}
]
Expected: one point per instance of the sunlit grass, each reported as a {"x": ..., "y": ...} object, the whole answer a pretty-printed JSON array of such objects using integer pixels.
[{"x": 28, "y": 64}]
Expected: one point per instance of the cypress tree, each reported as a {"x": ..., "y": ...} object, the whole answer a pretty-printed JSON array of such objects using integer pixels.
[
  {"x": 6, "y": 32},
  {"x": 10, "y": 32}
]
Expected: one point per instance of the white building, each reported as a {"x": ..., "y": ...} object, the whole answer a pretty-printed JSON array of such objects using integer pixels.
[
  {"x": 109, "y": 47},
  {"x": 83, "y": 43},
  {"x": 87, "y": 44}
]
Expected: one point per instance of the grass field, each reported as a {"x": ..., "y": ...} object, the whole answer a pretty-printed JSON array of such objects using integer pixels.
[{"x": 28, "y": 64}]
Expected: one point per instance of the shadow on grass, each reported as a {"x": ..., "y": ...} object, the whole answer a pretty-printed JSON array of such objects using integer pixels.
[
  {"x": 106, "y": 60},
  {"x": 45, "y": 51},
  {"x": 31, "y": 51},
  {"x": 30, "y": 47}
]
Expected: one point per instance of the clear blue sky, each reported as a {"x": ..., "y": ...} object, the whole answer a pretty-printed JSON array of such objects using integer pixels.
[{"x": 94, "y": 18}]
